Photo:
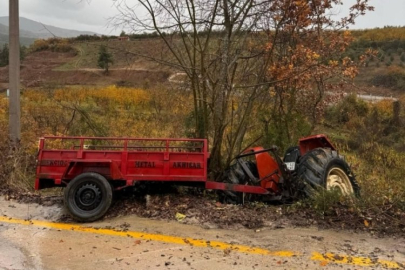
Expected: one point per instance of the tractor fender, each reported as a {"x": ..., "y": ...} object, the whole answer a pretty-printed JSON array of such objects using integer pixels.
[{"x": 307, "y": 144}]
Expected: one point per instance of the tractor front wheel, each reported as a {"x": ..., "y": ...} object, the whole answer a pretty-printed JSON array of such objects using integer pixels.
[
  {"x": 324, "y": 168},
  {"x": 88, "y": 197},
  {"x": 236, "y": 175}
]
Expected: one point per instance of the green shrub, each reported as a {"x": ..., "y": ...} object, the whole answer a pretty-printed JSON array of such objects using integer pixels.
[
  {"x": 375, "y": 147},
  {"x": 324, "y": 201},
  {"x": 347, "y": 109},
  {"x": 393, "y": 77}
]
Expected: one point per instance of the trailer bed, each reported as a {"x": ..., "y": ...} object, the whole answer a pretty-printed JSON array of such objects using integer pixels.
[{"x": 125, "y": 160}]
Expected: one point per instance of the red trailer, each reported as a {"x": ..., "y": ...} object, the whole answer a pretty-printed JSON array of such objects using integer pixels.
[{"x": 92, "y": 168}]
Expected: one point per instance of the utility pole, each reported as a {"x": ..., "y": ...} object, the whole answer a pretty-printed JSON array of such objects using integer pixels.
[{"x": 14, "y": 73}]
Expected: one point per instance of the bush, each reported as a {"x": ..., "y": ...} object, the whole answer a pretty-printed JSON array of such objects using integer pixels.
[
  {"x": 52, "y": 44},
  {"x": 393, "y": 77},
  {"x": 374, "y": 144},
  {"x": 324, "y": 202},
  {"x": 349, "y": 108},
  {"x": 17, "y": 167}
]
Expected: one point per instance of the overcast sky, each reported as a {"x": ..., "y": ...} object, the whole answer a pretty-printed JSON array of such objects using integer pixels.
[{"x": 92, "y": 15}]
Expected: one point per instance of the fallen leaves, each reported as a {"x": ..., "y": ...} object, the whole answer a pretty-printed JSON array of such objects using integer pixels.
[
  {"x": 206, "y": 212},
  {"x": 366, "y": 223},
  {"x": 323, "y": 263},
  {"x": 137, "y": 242},
  {"x": 180, "y": 217}
]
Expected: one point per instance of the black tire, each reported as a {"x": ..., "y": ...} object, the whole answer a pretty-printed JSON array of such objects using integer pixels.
[
  {"x": 88, "y": 197},
  {"x": 324, "y": 168},
  {"x": 236, "y": 175}
]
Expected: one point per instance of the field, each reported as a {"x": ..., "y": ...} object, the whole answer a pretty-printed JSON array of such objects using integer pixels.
[{"x": 79, "y": 67}]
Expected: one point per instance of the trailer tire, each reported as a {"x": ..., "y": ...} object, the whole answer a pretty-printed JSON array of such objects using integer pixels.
[
  {"x": 324, "y": 168},
  {"x": 88, "y": 197}
]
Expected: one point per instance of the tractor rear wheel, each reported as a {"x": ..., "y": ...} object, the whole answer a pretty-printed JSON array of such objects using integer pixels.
[
  {"x": 324, "y": 168},
  {"x": 88, "y": 197}
]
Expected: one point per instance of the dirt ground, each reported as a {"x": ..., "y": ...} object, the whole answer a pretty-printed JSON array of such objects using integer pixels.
[
  {"x": 202, "y": 208},
  {"x": 39, "y": 69}
]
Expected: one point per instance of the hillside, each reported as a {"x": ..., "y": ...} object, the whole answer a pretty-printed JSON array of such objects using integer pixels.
[
  {"x": 31, "y": 30},
  {"x": 26, "y": 41},
  {"x": 383, "y": 74},
  {"x": 26, "y": 37},
  {"x": 373, "y": 78}
]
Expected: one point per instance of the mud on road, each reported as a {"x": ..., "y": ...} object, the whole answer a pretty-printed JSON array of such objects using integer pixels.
[{"x": 113, "y": 244}]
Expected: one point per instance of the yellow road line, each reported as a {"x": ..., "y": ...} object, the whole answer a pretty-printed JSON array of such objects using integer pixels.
[
  {"x": 359, "y": 261},
  {"x": 153, "y": 237},
  {"x": 316, "y": 256}
]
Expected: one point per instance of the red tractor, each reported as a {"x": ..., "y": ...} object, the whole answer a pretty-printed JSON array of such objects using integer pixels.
[{"x": 93, "y": 168}]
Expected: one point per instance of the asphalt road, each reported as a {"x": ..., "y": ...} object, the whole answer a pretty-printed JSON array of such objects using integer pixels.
[{"x": 31, "y": 239}]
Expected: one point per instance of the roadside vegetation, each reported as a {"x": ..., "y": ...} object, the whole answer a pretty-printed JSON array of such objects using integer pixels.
[{"x": 370, "y": 136}]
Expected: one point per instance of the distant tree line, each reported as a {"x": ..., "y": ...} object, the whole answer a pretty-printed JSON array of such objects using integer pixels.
[
  {"x": 388, "y": 40},
  {"x": 104, "y": 37},
  {"x": 384, "y": 45},
  {"x": 380, "y": 34},
  {"x": 388, "y": 37},
  {"x": 92, "y": 38},
  {"x": 146, "y": 35}
]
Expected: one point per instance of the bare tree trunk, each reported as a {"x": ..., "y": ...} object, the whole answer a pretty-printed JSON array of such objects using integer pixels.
[{"x": 233, "y": 51}]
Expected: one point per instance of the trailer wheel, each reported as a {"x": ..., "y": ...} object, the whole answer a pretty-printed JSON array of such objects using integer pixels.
[
  {"x": 88, "y": 197},
  {"x": 324, "y": 168}
]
